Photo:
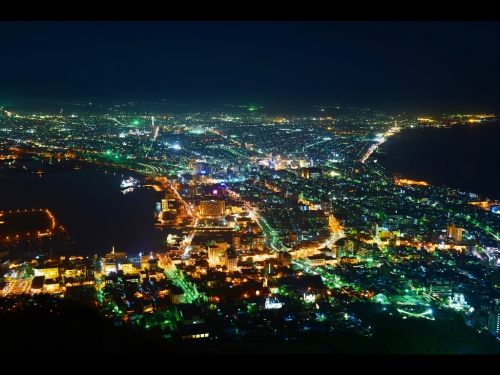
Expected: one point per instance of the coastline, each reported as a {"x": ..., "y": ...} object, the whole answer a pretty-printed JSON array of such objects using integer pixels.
[
  {"x": 460, "y": 157},
  {"x": 125, "y": 221}
]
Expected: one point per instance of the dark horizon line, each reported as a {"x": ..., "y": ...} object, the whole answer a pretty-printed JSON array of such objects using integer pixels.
[{"x": 32, "y": 103}]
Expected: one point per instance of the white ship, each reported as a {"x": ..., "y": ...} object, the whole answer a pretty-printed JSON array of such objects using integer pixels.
[{"x": 130, "y": 183}]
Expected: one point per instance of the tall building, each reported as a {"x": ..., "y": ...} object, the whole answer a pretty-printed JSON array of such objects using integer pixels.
[
  {"x": 168, "y": 203},
  {"x": 326, "y": 205},
  {"x": 454, "y": 232},
  {"x": 494, "y": 322},
  {"x": 213, "y": 255},
  {"x": 231, "y": 260},
  {"x": 201, "y": 167},
  {"x": 212, "y": 207}
]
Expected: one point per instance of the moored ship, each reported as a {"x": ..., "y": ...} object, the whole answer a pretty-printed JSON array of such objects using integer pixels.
[{"x": 130, "y": 183}]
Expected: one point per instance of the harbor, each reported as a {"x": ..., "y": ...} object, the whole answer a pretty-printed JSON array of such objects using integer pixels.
[{"x": 89, "y": 204}]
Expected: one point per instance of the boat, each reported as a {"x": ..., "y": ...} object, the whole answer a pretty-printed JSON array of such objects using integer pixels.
[
  {"x": 130, "y": 183},
  {"x": 127, "y": 190}
]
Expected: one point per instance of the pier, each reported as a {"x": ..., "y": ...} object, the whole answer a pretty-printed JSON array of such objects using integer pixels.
[{"x": 34, "y": 224}]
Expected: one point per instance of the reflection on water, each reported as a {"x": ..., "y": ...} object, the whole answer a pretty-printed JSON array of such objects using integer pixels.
[{"x": 90, "y": 205}]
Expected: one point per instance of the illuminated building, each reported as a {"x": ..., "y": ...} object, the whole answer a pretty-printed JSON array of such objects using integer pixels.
[
  {"x": 272, "y": 303},
  {"x": 311, "y": 173},
  {"x": 304, "y": 162},
  {"x": 51, "y": 285},
  {"x": 237, "y": 208},
  {"x": 442, "y": 287},
  {"x": 222, "y": 245},
  {"x": 214, "y": 190},
  {"x": 216, "y": 253},
  {"x": 304, "y": 249},
  {"x": 345, "y": 246},
  {"x": 116, "y": 256},
  {"x": 236, "y": 241},
  {"x": 231, "y": 260},
  {"x": 195, "y": 331},
  {"x": 194, "y": 191},
  {"x": 70, "y": 272},
  {"x": 131, "y": 278},
  {"x": 168, "y": 203},
  {"x": 50, "y": 272},
  {"x": 485, "y": 205},
  {"x": 213, "y": 255},
  {"x": 316, "y": 260},
  {"x": 111, "y": 261},
  {"x": 494, "y": 322},
  {"x": 258, "y": 242},
  {"x": 148, "y": 262},
  {"x": 403, "y": 181},
  {"x": 201, "y": 167},
  {"x": 245, "y": 244},
  {"x": 109, "y": 266},
  {"x": 127, "y": 268},
  {"x": 454, "y": 232},
  {"x": 177, "y": 295},
  {"x": 212, "y": 207}
]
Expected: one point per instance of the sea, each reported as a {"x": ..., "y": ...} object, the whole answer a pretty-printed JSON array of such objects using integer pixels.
[
  {"x": 90, "y": 205},
  {"x": 463, "y": 157}
]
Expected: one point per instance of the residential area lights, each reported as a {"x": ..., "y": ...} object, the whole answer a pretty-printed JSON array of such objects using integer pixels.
[{"x": 304, "y": 199}]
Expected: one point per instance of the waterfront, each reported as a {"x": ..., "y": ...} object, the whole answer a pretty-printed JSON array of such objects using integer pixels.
[
  {"x": 90, "y": 206},
  {"x": 462, "y": 157}
]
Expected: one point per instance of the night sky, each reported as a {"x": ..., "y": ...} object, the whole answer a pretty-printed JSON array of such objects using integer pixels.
[{"x": 447, "y": 66}]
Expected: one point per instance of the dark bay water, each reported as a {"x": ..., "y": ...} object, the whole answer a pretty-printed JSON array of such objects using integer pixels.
[
  {"x": 464, "y": 157},
  {"x": 90, "y": 206}
]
